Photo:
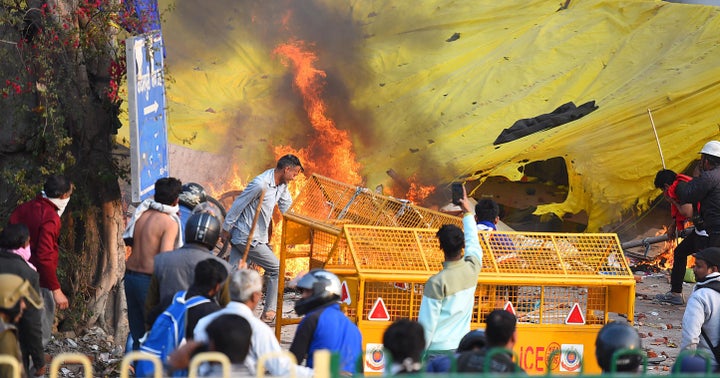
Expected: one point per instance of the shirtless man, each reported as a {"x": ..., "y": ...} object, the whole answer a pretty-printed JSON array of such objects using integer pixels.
[{"x": 155, "y": 228}]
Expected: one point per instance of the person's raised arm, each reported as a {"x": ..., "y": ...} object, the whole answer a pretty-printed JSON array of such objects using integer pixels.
[{"x": 472, "y": 242}]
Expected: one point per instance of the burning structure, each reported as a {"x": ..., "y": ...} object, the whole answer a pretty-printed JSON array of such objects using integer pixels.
[{"x": 424, "y": 90}]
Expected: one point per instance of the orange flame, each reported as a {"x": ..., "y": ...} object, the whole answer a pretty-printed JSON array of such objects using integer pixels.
[
  {"x": 417, "y": 192},
  {"x": 235, "y": 183},
  {"x": 666, "y": 258},
  {"x": 330, "y": 151}
]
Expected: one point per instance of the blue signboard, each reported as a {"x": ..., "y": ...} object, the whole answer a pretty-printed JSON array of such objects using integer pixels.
[{"x": 146, "y": 108}]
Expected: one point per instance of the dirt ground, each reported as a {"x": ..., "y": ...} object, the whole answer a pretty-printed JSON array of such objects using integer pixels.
[{"x": 659, "y": 325}]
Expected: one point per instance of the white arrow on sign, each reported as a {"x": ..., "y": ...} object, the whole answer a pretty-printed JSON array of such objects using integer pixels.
[{"x": 152, "y": 108}]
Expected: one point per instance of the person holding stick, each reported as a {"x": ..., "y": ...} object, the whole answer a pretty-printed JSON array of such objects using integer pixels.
[{"x": 248, "y": 220}]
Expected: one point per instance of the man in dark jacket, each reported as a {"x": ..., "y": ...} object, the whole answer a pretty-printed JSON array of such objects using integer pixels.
[
  {"x": 30, "y": 325},
  {"x": 16, "y": 295},
  {"x": 210, "y": 275},
  {"x": 501, "y": 332},
  {"x": 705, "y": 189}
]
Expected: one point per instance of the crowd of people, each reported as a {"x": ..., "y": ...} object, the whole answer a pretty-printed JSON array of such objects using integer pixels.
[{"x": 171, "y": 267}]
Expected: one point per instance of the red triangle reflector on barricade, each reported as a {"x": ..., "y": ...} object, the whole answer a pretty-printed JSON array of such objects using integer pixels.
[
  {"x": 509, "y": 308},
  {"x": 379, "y": 311},
  {"x": 575, "y": 316},
  {"x": 345, "y": 294}
]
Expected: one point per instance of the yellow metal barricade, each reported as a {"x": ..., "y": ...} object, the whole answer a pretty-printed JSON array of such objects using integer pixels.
[
  {"x": 125, "y": 365},
  {"x": 14, "y": 364},
  {"x": 561, "y": 286},
  {"x": 202, "y": 357},
  {"x": 313, "y": 226},
  {"x": 277, "y": 354},
  {"x": 64, "y": 358}
]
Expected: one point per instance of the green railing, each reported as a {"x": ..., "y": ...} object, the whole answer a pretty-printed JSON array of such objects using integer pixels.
[{"x": 327, "y": 365}]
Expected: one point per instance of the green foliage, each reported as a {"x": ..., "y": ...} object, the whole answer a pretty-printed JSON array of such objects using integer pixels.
[
  {"x": 66, "y": 63},
  {"x": 60, "y": 91}
]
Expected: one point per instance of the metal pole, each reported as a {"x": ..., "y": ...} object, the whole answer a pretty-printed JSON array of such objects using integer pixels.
[{"x": 657, "y": 139}]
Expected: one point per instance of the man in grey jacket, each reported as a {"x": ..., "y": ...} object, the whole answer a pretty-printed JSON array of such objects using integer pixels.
[
  {"x": 270, "y": 187},
  {"x": 175, "y": 270},
  {"x": 701, "y": 321}
]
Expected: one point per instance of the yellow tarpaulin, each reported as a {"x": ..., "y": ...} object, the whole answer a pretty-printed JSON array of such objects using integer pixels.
[{"x": 424, "y": 88}]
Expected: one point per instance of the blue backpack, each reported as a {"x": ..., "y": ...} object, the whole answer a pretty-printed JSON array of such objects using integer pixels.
[{"x": 167, "y": 333}]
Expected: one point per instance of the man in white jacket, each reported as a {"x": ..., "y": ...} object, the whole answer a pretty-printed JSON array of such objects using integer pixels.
[
  {"x": 245, "y": 287},
  {"x": 701, "y": 321}
]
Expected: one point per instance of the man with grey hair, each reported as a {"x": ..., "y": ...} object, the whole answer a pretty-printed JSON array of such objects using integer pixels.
[{"x": 245, "y": 286}]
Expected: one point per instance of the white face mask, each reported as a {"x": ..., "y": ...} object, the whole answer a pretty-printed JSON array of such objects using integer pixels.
[{"x": 60, "y": 203}]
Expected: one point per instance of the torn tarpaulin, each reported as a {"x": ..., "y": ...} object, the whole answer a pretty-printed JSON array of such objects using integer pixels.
[{"x": 565, "y": 113}]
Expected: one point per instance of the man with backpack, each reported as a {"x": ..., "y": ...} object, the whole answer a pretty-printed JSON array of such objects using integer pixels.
[
  {"x": 701, "y": 320},
  {"x": 179, "y": 319}
]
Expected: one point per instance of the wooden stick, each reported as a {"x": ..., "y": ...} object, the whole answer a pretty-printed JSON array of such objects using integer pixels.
[
  {"x": 252, "y": 229},
  {"x": 662, "y": 158}
]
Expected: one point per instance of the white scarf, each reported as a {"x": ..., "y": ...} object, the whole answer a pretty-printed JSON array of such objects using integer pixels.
[
  {"x": 148, "y": 204},
  {"x": 60, "y": 203}
]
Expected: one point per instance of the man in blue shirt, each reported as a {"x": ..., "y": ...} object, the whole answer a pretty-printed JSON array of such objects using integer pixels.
[{"x": 324, "y": 326}]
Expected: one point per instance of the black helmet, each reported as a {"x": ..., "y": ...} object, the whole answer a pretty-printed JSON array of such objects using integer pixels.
[
  {"x": 192, "y": 194},
  {"x": 615, "y": 336},
  {"x": 210, "y": 208},
  {"x": 202, "y": 228},
  {"x": 325, "y": 288},
  {"x": 472, "y": 340}
]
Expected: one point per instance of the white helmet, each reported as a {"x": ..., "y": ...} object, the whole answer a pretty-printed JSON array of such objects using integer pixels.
[
  {"x": 711, "y": 148},
  {"x": 325, "y": 288}
]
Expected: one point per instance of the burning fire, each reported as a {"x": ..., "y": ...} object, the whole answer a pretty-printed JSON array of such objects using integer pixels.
[
  {"x": 235, "y": 183},
  {"x": 417, "y": 192},
  {"x": 665, "y": 259},
  {"x": 330, "y": 152}
]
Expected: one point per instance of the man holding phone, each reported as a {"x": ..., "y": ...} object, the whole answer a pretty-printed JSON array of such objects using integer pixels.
[{"x": 449, "y": 296}]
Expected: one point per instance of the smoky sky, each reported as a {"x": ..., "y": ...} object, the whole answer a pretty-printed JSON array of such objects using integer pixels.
[{"x": 333, "y": 34}]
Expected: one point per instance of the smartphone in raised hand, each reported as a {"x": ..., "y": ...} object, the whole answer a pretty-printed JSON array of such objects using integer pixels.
[{"x": 457, "y": 192}]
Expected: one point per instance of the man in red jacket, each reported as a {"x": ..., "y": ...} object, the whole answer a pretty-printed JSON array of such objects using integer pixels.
[
  {"x": 42, "y": 217},
  {"x": 695, "y": 241}
]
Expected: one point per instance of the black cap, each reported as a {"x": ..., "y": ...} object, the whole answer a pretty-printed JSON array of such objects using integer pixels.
[{"x": 710, "y": 255}]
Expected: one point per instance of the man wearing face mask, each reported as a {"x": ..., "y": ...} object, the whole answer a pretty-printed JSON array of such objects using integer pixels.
[
  {"x": 14, "y": 256},
  {"x": 42, "y": 217}
]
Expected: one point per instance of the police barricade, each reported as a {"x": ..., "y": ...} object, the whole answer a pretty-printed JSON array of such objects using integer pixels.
[
  {"x": 561, "y": 286},
  {"x": 312, "y": 228}
]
